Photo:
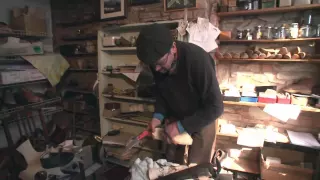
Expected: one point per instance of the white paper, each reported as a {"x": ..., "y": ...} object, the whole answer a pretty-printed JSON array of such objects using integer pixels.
[
  {"x": 303, "y": 139},
  {"x": 251, "y": 137},
  {"x": 203, "y": 34},
  {"x": 283, "y": 112}
]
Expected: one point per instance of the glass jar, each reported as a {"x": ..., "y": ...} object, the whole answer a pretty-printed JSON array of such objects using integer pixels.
[
  {"x": 306, "y": 31},
  {"x": 255, "y": 4},
  {"x": 294, "y": 30},
  {"x": 268, "y": 33},
  {"x": 318, "y": 31},
  {"x": 248, "y": 34},
  {"x": 250, "y": 5},
  {"x": 258, "y": 34},
  {"x": 282, "y": 32},
  {"x": 276, "y": 33}
]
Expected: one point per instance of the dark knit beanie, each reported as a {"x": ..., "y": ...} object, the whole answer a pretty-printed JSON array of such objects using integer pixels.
[{"x": 154, "y": 41}]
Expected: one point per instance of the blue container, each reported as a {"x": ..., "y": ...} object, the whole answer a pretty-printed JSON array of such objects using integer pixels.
[{"x": 249, "y": 99}]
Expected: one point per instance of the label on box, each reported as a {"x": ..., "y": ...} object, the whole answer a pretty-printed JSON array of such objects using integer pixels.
[{"x": 12, "y": 77}]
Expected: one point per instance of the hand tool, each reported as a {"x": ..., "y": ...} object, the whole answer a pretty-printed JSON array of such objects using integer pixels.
[{"x": 135, "y": 140}]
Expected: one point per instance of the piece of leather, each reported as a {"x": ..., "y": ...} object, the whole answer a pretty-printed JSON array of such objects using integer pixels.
[{"x": 52, "y": 160}]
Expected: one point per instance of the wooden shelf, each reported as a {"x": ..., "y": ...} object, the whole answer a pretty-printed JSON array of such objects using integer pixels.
[
  {"x": 148, "y": 100},
  {"x": 77, "y": 23},
  {"x": 269, "y": 40},
  {"x": 284, "y": 145},
  {"x": 30, "y": 106},
  {"x": 127, "y": 98},
  {"x": 308, "y": 109},
  {"x": 22, "y": 84},
  {"x": 80, "y": 38},
  {"x": 136, "y": 26},
  {"x": 23, "y": 34},
  {"x": 77, "y": 112},
  {"x": 127, "y": 121},
  {"x": 81, "y": 55},
  {"x": 269, "y": 10},
  {"x": 78, "y": 91},
  {"x": 83, "y": 70},
  {"x": 228, "y": 135},
  {"x": 274, "y": 60},
  {"x": 110, "y": 73},
  {"x": 119, "y": 49}
]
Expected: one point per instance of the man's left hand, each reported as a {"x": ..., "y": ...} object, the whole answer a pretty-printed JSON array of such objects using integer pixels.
[{"x": 171, "y": 130}]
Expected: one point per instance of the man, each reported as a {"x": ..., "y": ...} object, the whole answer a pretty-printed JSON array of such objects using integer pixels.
[{"x": 188, "y": 90}]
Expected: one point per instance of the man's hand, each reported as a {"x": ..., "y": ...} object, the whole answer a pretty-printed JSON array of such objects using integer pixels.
[
  {"x": 153, "y": 124},
  {"x": 172, "y": 131}
]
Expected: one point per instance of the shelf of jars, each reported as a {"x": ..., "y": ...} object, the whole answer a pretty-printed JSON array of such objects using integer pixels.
[
  {"x": 284, "y": 34},
  {"x": 269, "y": 10}
]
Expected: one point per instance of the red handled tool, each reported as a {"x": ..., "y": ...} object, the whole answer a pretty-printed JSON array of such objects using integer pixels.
[{"x": 135, "y": 141}]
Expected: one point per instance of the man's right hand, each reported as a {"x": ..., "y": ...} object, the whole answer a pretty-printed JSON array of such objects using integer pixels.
[{"x": 153, "y": 124}]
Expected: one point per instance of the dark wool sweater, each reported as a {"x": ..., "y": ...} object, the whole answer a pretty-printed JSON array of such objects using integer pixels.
[{"x": 192, "y": 94}]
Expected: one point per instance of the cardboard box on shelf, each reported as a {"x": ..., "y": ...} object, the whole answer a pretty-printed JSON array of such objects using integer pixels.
[
  {"x": 289, "y": 168},
  {"x": 11, "y": 77},
  {"x": 30, "y": 20},
  {"x": 16, "y": 47}
]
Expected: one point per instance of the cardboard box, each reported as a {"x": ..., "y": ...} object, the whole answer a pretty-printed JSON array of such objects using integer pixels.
[
  {"x": 30, "y": 20},
  {"x": 16, "y": 48},
  {"x": 11, "y": 77},
  {"x": 289, "y": 169}
]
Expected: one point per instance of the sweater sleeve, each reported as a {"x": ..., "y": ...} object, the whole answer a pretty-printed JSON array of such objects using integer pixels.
[{"x": 204, "y": 80}]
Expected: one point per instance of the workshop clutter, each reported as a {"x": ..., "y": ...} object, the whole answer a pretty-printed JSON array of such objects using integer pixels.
[
  {"x": 61, "y": 161},
  {"x": 271, "y": 163},
  {"x": 265, "y": 53}
]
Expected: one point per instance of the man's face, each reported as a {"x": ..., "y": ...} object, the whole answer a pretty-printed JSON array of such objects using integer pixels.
[{"x": 167, "y": 63}]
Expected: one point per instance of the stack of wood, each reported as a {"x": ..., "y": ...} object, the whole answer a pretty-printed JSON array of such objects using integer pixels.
[{"x": 265, "y": 53}]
